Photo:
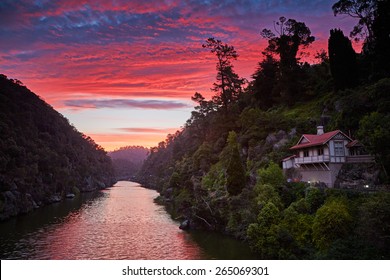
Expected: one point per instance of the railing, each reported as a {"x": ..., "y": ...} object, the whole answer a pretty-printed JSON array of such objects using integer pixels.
[
  {"x": 312, "y": 159},
  {"x": 360, "y": 158}
]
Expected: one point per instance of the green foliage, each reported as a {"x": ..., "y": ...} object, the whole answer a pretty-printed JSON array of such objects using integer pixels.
[
  {"x": 263, "y": 235},
  {"x": 231, "y": 161},
  {"x": 332, "y": 222},
  {"x": 215, "y": 179},
  {"x": 272, "y": 175},
  {"x": 314, "y": 198},
  {"x": 374, "y": 132},
  {"x": 267, "y": 193},
  {"x": 374, "y": 227},
  {"x": 215, "y": 189}
]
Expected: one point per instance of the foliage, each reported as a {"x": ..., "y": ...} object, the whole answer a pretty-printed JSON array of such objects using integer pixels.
[
  {"x": 342, "y": 60},
  {"x": 128, "y": 160},
  {"x": 363, "y": 10},
  {"x": 228, "y": 85},
  {"x": 272, "y": 175},
  {"x": 221, "y": 170},
  {"x": 264, "y": 233},
  {"x": 292, "y": 35},
  {"x": 332, "y": 222},
  {"x": 230, "y": 159},
  {"x": 41, "y": 154},
  {"x": 375, "y": 134}
]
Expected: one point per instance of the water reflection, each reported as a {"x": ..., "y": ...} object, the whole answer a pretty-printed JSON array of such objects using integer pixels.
[{"x": 118, "y": 223}]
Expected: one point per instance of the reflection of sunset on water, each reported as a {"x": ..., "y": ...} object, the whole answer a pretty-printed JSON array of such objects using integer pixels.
[{"x": 122, "y": 224}]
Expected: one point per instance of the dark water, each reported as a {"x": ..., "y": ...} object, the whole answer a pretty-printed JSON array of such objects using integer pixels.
[{"x": 122, "y": 222}]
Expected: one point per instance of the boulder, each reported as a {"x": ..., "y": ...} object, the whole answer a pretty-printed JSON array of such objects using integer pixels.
[{"x": 185, "y": 225}]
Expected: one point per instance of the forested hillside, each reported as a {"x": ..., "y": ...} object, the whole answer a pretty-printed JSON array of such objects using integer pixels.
[
  {"x": 222, "y": 170},
  {"x": 127, "y": 161},
  {"x": 42, "y": 157}
]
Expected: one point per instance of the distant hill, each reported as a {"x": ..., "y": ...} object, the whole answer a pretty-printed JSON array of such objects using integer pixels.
[
  {"x": 42, "y": 157},
  {"x": 128, "y": 160}
]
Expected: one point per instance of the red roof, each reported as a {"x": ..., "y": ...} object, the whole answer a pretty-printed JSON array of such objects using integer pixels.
[{"x": 316, "y": 140}]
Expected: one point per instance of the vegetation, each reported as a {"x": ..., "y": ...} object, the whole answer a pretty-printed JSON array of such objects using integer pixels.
[
  {"x": 42, "y": 157},
  {"x": 127, "y": 161},
  {"x": 220, "y": 171}
]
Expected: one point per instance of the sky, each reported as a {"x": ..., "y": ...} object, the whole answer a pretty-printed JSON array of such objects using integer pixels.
[{"x": 123, "y": 72}]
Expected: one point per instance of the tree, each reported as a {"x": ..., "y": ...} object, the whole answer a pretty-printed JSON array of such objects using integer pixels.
[
  {"x": 342, "y": 58},
  {"x": 265, "y": 79},
  {"x": 374, "y": 132},
  {"x": 381, "y": 34},
  {"x": 272, "y": 175},
  {"x": 332, "y": 222},
  {"x": 364, "y": 10},
  {"x": 373, "y": 222},
  {"x": 292, "y": 35},
  {"x": 229, "y": 84},
  {"x": 235, "y": 173},
  {"x": 264, "y": 234}
]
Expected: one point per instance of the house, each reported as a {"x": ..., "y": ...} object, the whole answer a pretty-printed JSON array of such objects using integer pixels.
[{"x": 319, "y": 157}]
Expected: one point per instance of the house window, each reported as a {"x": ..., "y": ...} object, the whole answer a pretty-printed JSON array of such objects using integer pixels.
[
  {"x": 339, "y": 148},
  {"x": 306, "y": 153},
  {"x": 320, "y": 151}
]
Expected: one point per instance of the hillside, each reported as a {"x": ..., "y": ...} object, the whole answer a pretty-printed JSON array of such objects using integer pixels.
[
  {"x": 222, "y": 171},
  {"x": 127, "y": 161},
  {"x": 42, "y": 157}
]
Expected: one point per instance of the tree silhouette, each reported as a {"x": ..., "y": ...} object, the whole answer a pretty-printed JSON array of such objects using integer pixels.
[
  {"x": 342, "y": 60},
  {"x": 292, "y": 35},
  {"x": 265, "y": 79},
  {"x": 229, "y": 84},
  {"x": 381, "y": 44},
  {"x": 364, "y": 10}
]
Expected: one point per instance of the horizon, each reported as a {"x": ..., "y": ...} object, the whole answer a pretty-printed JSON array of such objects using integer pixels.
[{"x": 124, "y": 73}]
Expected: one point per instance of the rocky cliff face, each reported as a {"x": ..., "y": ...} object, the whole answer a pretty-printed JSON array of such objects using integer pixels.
[{"x": 357, "y": 176}]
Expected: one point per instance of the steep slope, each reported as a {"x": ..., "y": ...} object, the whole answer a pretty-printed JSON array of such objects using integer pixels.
[
  {"x": 127, "y": 161},
  {"x": 43, "y": 157}
]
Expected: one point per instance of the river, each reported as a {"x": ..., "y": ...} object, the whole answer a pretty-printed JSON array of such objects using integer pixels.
[{"x": 121, "y": 222}]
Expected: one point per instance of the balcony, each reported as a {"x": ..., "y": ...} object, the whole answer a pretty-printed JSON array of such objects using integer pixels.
[
  {"x": 312, "y": 159},
  {"x": 360, "y": 159}
]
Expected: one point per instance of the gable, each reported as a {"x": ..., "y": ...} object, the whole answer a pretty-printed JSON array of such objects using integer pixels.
[
  {"x": 340, "y": 136},
  {"x": 312, "y": 140}
]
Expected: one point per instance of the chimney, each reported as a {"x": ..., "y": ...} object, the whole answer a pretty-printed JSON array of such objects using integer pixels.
[{"x": 320, "y": 130}]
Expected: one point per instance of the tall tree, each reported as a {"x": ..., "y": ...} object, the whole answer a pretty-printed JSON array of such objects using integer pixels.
[
  {"x": 231, "y": 161},
  {"x": 229, "y": 84},
  {"x": 364, "y": 10},
  {"x": 291, "y": 36},
  {"x": 342, "y": 58},
  {"x": 381, "y": 34},
  {"x": 265, "y": 79}
]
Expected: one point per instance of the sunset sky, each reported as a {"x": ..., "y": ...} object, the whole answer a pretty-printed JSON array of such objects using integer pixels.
[{"x": 123, "y": 72}]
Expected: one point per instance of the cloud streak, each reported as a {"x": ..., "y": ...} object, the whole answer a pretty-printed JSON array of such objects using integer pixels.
[
  {"x": 106, "y": 54},
  {"x": 147, "y": 130},
  {"x": 125, "y": 103}
]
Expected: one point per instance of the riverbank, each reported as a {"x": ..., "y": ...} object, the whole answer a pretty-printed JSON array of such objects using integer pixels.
[
  {"x": 121, "y": 222},
  {"x": 19, "y": 200}
]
